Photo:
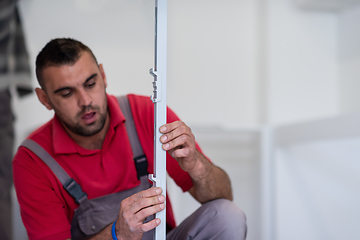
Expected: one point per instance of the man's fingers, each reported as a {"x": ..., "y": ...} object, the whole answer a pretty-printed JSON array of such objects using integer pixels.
[
  {"x": 146, "y": 203},
  {"x": 150, "y": 225},
  {"x": 141, "y": 215},
  {"x": 181, "y": 141},
  {"x": 136, "y": 202},
  {"x": 180, "y": 153},
  {"x": 134, "y": 209},
  {"x": 171, "y": 126},
  {"x": 146, "y": 212},
  {"x": 179, "y": 131},
  {"x": 151, "y": 192}
]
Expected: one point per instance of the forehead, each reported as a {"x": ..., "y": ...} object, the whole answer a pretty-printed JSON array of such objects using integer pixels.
[{"x": 70, "y": 74}]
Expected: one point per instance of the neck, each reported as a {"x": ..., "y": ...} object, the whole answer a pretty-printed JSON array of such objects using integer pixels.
[{"x": 91, "y": 142}]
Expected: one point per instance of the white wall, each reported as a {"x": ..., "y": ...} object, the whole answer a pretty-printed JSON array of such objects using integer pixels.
[
  {"x": 314, "y": 68},
  {"x": 302, "y": 64},
  {"x": 317, "y": 190},
  {"x": 316, "y": 179},
  {"x": 349, "y": 59},
  {"x": 212, "y": 67}
]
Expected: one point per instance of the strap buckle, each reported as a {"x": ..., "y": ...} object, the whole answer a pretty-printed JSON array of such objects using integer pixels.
[
  {"x": 74, "y": 189},
  {"x": 141, "y": 166}
]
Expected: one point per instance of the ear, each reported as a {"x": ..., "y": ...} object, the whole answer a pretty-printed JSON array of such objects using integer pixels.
[
  {"x": 103, "y": 74},
  {"x": 41, "y": 94}
]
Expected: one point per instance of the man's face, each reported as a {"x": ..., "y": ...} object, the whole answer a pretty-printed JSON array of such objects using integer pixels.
[{"x": 77, "y": 95}]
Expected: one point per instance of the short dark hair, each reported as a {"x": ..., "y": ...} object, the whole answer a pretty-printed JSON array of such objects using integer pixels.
[{"x": 58, "y": 52}]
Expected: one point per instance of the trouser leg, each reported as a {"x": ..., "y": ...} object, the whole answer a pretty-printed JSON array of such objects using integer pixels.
[
  {"x": 217, "y": 219},
  {"x": 6, "y": 148}
]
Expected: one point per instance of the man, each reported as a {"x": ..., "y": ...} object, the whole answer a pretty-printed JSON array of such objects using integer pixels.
[{"x": 88, "y": 139}]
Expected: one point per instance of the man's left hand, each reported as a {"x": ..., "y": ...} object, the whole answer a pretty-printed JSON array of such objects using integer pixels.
[{"x": 179, "y": 141}]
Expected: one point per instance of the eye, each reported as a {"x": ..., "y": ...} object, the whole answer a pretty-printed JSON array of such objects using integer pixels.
[
  {"x": 66, "y": 93},
  {"x": 90, "y": 84}
]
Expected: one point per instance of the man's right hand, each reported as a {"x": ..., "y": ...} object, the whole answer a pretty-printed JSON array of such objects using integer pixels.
[{"x": 134, "y": 210}]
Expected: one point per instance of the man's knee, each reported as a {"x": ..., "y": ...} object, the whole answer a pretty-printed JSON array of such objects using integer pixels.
[
  {"x": 215, "y": 220},
  {"x": 229, "y": 219}
]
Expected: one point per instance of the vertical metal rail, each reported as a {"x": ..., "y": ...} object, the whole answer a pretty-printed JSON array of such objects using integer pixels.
[
  {"x": 159, "y": 100},
  {"x": 267, "y": 182}
]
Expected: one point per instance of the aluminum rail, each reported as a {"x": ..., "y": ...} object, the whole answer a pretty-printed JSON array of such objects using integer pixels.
[{"x": 159, "y": 100}]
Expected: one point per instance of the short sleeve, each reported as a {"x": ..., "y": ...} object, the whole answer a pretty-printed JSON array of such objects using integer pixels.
[{"x": 42, "y": 211}]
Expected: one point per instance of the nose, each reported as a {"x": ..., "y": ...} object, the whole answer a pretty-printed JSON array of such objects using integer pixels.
[{"x": 84, "y": 99}]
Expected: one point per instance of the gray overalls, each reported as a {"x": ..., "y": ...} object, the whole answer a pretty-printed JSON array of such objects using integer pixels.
[{"x": 94, "y": 215}]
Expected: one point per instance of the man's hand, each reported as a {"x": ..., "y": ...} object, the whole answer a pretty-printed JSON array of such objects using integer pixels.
[
  {"x": 179, "y": 141},
  {"x": 210, "y": 182},
  {"x": 134, "y": 210}
]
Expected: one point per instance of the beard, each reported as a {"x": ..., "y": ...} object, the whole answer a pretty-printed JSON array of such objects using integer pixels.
[{"x": 89, "y": 129}]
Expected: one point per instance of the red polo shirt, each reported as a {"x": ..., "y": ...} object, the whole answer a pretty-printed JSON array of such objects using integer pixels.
[{"x": 46, "y": 208}]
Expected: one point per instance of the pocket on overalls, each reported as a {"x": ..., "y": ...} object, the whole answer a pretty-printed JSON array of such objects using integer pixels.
[{"x": 91, "y": 223}]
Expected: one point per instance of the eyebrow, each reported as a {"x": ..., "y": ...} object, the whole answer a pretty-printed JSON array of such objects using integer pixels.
[
  {"x": 92, "y": 76},
  {"x": 67, "y": 88}
]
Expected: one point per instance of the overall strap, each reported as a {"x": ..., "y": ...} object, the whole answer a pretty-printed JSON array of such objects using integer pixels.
[
  {"x": 72, "y": 187},
  {"x": 139, "y": 156}
]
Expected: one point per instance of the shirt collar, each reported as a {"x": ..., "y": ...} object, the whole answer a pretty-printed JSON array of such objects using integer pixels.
[{"x": 64, "y": 144}]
